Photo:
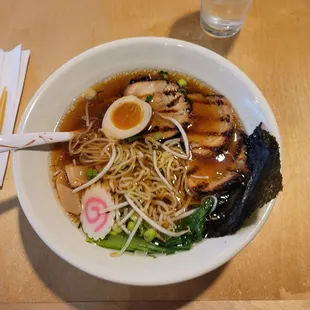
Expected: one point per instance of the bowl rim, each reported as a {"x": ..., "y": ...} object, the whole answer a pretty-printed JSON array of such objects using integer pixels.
[{"x": 30, "y": 215}]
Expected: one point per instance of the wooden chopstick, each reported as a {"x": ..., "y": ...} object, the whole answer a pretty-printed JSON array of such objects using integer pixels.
[{"x": 3, "y": 99}]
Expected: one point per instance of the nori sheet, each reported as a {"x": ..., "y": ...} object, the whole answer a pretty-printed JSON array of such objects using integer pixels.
[{"x": 262, "y": 184}]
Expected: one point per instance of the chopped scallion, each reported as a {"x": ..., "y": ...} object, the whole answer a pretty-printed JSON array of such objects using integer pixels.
[
  {"x": 158, "y": 136},
  {"x": 148, "y": 98},
  {"x": 149, "y": 235},
  {"x": 131, "y": 225},
  {"x": 91, "y": 173},
  {"x": 134, "y": 218},
  {"x": 116, "y": 228},
  {"x": 182, "y": 82}
]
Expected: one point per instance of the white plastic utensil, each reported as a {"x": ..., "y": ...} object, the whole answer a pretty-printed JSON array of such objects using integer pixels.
[{"x": 25, "y": 140}]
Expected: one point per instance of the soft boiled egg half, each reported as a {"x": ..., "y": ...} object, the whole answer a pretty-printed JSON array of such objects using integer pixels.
[{"x": 126, "y": 117}]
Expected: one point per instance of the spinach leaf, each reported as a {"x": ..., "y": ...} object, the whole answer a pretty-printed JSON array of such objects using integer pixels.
[
  {"x": 196, "y": 223},
  {"x": 137, "y": 244}
]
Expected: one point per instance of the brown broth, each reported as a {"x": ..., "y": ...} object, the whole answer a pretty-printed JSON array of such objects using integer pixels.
[
  {"x": 110, "y": 89},
  {"x": 212, "y": 167}
]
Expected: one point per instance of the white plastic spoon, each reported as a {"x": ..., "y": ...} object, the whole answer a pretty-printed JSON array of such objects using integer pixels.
[{"x": 25, "y": 140}]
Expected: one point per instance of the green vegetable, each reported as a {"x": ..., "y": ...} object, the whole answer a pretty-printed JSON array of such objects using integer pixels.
[
  {"x": 131, "y": 225},
  {"x": 148, "y": 98},
  {"x": 158, "y": 136},
  {"x": 141, "y": 230},
  {"x": 196, "y": 223},
  {"x": 89, "y": 240},
  {"x": 133, "y": 138},
  {"x": 164, "y": 74},
  {"x": 149, "y": 235},
  {"x": 117, "y": 228},
  {"x": 91, "y": 173},
  {"x": 134, "y": 218},
  {"x": 137, "y": 244},
  {"x": 182, "y": 82},
  {"x": 113, "y": 233},
  {"x": 150, "y": 244}
]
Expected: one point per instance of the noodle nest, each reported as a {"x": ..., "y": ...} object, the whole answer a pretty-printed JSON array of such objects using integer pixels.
[{"x": 153, "y": 174}]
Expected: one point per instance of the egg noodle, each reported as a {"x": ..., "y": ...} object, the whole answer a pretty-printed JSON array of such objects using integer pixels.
[{"x": 151, "y": 175}]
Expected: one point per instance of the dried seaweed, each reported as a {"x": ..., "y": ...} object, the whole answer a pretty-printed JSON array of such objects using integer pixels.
[{"x": 262, "y": 184}]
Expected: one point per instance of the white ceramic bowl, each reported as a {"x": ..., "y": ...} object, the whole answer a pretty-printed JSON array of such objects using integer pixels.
[{"x": 31, "y": 174}]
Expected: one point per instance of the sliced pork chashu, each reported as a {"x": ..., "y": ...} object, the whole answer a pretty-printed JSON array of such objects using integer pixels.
[
  {"x": 222, "y": 175},
  {"x": 204, "y": 187},
  {"x": 213, "y": 124},
  {"x": 144, "y": 88},
  {"x": 167, "y": 100},
  {"x": 219, "y": 159}
]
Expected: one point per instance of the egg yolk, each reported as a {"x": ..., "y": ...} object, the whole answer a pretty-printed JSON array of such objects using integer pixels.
[{"x": 127, "y": 115}]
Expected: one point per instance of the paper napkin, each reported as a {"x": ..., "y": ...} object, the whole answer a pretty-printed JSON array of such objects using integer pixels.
[{"x": 13, "y": 67}]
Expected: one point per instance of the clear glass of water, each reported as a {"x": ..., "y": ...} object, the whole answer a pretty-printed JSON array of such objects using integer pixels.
[{"x": 223, "y": 18}]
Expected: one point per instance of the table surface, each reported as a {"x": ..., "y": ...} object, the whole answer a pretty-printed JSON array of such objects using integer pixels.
[{"x": 273, "y": 49}]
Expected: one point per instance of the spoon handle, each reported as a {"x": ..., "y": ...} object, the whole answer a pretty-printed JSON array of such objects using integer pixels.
[{"x": 25, "y": 140}]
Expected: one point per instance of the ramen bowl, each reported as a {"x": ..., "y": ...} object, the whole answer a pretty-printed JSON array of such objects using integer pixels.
[{"x": 31, "y": 167}]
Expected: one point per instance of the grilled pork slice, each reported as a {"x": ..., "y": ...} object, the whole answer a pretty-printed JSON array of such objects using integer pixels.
[
  {"x": 167, "y": 101},
  {"x": 201, "y": 141},
  {"x": 213, "y": 124},
  {"x": 209, "y": 175},
  {"x": 163, "y": 100},
  {"x": 140, "y": 89},
  {"x": 201, "y": 187},
  {"x": 219, "y": 159},
  {"x": 178, "y": 109},
  {"x": 161, "y": 128}
]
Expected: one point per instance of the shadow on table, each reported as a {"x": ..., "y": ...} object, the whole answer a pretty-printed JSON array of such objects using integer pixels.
[
  {"x": 9, "y": 204},
  {"x": 188, "y": 29},
  {"x": 73, "y": 285}
]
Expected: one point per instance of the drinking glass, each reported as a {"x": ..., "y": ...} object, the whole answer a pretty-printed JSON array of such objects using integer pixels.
[{"x": 223, "y": 18}]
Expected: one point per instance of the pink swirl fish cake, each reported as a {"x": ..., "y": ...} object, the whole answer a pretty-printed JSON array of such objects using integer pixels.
[{"x": 95, "y": 223}]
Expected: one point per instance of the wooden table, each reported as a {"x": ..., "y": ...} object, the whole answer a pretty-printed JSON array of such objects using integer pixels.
[{"x": 274, "y": 50}]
